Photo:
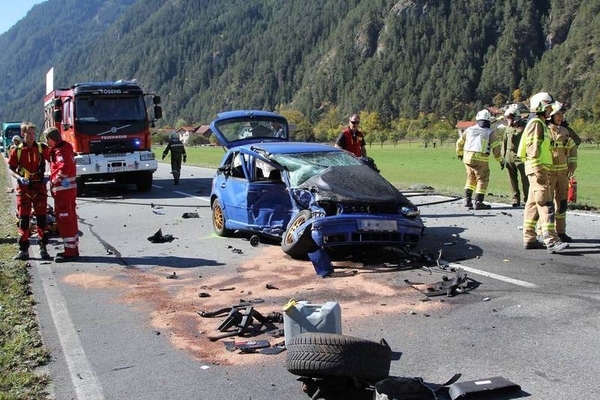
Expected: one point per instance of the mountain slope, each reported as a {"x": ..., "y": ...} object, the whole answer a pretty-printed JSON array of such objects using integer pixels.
[{"x": 397, "y": 57}]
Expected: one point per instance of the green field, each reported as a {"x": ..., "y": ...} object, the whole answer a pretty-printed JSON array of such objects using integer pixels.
[{"x": 410, "y": 163}]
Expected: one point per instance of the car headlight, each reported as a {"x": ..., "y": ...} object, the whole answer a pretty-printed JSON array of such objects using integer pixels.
[
  {"x": 410, "y": 211},
  {"x": 149, "y": 155},
  {"x": 83, "y": 160}
]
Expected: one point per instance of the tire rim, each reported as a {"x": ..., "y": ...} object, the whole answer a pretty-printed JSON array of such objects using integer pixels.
[
  {"x": 289, "y": 237},
  {"x": 218, "y": 217}
]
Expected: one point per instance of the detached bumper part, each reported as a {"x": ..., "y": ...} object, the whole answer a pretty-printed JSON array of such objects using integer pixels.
[{"x": 495, "y": 385}]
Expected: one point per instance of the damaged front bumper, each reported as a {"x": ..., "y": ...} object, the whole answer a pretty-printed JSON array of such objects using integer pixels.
[{"x": 365, "y": 229}]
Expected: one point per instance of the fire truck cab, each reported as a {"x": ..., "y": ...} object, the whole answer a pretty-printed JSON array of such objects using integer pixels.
[{"x": 108, "y": 125}]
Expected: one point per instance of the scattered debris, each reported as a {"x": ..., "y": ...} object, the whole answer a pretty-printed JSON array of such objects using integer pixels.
[
  {"x": 254, "y": 241},
  {"x": 242, "y": 321},
  {"x": 237, "y": 251},
  {"x": 158, "y": 237},
  {"x": 203, "y": 294},
  {"x": 271, "y": 287},
  {"x": 448, "y": 243},
  {"x": 190, "y": 215},
  {"x": 506, "y": 213},
  {"x": 272, "y": 350},
  {"x": 341, "y": 274},
  {"x": 485, "y": 387},
  {"x": 459, "y": 284},
  {"x": 226, "y": 289},
  {"x": 172, "y": 276},
  {"x": 486, "y": 299},
  {"x": 158, "y": 212}
]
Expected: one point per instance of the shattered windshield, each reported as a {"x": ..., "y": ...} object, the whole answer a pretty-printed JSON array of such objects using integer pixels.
[{"x": 303, "y": 166}]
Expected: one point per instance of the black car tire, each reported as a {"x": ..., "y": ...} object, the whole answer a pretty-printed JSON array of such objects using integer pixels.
[
  {"x": 80, "y": 186},
  {"x": 144, "y": 182},
  {"x": 218, "y": 219},
  {"x": 329, "y": 354},
  {"x": 305, "y": 244}
]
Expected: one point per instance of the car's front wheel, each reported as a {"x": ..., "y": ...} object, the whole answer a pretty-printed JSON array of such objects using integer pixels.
[
  {"x": 305, "y": 243},
  {"x": 218, "y": 219}
]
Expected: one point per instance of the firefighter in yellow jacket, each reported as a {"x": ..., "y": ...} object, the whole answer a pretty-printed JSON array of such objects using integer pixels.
[
  {"x": 473, "y": 148},
  {"x": 514, "y": 165},
  {"x": 535, "y": 149},
  {"x": 564, "y": 164}
]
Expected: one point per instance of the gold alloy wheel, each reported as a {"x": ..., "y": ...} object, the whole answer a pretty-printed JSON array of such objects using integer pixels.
[
  {"x": 289, "y": 238},
  {"x": 218, "y": 219}
]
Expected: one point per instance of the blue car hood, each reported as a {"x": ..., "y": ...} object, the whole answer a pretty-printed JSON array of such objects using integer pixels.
[{"x": 357, "y": 184}]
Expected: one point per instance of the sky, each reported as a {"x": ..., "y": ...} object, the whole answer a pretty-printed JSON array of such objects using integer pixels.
[{"x": 13, "y": 11}]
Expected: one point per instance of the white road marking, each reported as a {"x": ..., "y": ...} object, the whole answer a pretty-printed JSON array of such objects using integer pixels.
[
  {"x": 206, "y": 199},
  {"x": 85, "y": 381},
  {"x": 492, "y": 275}
]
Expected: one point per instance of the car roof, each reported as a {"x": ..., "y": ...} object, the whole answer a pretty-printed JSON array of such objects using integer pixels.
[
  {"x": 246, "y": 115},
  {"x": 290, "y": 147}
]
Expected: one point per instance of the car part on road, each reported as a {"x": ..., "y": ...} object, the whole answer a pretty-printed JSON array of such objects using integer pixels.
[
  {"x": 243, "y": 321},
  {"x": 190, "y": 215},
  {"x": 328, "y": 354},
  {"x": 458, "y": 284},
  {"x": 321, "y": 262},
  {"x": 254, "y": 240},
  {"x": 482, "y": 387},
  {"x": 158, "y": 237},
  {"x": 399, "y": 388}
]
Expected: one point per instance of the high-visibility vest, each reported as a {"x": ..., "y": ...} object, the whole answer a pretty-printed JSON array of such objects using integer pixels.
[{"x": 545, "y": 157}]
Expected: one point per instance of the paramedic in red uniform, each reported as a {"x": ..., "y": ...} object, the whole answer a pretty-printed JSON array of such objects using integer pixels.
[
  {"x": 64, "y": 190},
  {"x": 27, "y": 163},
  {"x": 352, "y": 139}
]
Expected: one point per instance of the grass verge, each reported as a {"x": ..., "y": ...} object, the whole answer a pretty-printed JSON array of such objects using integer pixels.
[
  {"x": 408, "y": 164},
  {"x": 21, "y": 347}
]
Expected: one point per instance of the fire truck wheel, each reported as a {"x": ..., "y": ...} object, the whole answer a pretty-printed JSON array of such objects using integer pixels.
[
  {"x": 80, "y": 186},
  {"x": 144, "y": 182},
  {"x": 329, "y": 354}
]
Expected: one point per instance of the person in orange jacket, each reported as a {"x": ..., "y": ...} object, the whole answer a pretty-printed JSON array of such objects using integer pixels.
[
  {"x": 27, "y": 163},
  {"x": 63, "y": 185},
  {"x": 352, "y": 139}
]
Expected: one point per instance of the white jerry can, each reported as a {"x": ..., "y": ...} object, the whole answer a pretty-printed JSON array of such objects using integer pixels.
[{"x": 300, "y": 317}]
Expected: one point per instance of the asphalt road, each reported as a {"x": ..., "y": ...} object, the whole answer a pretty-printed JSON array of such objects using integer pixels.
[{"x": 118, "y": 328}]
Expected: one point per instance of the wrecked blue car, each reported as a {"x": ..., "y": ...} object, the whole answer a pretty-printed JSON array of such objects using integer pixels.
[{"x": 309, "y": 195}]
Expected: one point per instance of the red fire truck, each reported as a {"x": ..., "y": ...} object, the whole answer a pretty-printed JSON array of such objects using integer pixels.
[{"x": 108, "y": 125}]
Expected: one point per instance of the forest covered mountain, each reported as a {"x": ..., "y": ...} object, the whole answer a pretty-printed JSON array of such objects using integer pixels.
[{"x": 400, "y": 58}]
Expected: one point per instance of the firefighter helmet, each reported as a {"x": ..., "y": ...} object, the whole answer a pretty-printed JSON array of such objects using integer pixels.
[
  {"x": 556, "y": 107},
  {"x": 17, "y": 139},
  {"x": 513, "y": 109},
  {"x": 174, "y": 135},
  {"x": 540, "y": 101},
  {"x": 483, "y": 115}
]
